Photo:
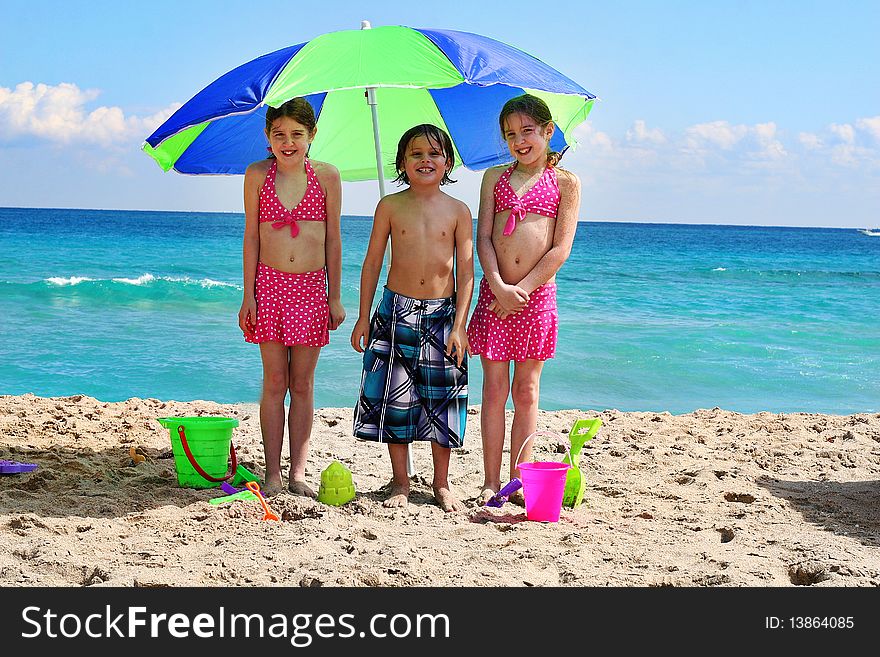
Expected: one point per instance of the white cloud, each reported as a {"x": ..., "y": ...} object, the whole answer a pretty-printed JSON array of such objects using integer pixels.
[
  {"x": 770, "y": 147},
  {"x": 720, "y": 140},
  {"x": 640, "y": 133},
  {"x": 810, "y": 141},
  {"x": 595, "y": 140},
  {"x": 844, "y": 155},
  {"x": 59, "y": 114},
  {"x": 845, "y": 132},
  {"x": 849, "y": 145},
  {"x": 871, "y": 126},
  {"x": 720, "y": 148},
  {"x": 716, "y": 133}
]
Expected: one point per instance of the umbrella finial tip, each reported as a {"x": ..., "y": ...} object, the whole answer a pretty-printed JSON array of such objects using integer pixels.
[{"x": 365, "y": 25}]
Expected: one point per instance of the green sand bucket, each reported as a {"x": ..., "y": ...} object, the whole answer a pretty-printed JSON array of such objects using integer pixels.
[{"x": 202, "y": 447}]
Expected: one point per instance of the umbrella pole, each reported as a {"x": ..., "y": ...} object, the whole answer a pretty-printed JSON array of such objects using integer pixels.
[{"x": 374, "y": 111}]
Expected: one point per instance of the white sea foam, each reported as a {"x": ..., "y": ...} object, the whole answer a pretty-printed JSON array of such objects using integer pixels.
[
  {"x": 186, "y": 280},
  {"x": 144, "y": 279},
  {"x": 720, "y": 269},
  {"x": 72, "y": 280},
  {"x": 204, "y": 282},
  {"x": 140, "y": 280}
]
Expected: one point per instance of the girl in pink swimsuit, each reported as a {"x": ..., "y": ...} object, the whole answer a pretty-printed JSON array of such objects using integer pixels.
[
  {"x": 525, "y": 228},
  {"x": 292, "y": 268}
]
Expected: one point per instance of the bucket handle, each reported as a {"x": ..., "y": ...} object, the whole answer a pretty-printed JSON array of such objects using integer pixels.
[
  {"x": 551, "y": 434},
  {"x": 182, "y": 433}
]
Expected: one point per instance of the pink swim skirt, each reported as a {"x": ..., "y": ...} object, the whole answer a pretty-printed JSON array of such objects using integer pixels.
[
  {"x": 529, "y": 334},
  {"x": 291, "y": 308}
]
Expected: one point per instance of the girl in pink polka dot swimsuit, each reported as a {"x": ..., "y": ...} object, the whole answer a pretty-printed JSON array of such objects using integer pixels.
[
  {"x": 292, "y": 269},
  {"x": 525, "y": 228}
]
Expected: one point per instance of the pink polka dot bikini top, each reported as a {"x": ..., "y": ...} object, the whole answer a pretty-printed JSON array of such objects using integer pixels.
[
  {"x": 312, "y": 207},
  {"x": 542, "y": 198}
]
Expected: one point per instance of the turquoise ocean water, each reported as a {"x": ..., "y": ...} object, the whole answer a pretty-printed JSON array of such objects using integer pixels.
[{"x": 119, "y": 304}]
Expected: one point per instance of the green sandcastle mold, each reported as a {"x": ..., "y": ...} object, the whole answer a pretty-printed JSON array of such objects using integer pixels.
[{"x": 337, "y": 486}]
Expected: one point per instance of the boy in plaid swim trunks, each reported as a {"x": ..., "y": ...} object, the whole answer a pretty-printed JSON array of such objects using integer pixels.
[{"x": 414, "y": 382}]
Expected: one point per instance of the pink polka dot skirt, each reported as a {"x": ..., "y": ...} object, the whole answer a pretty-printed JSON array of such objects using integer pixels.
[
  {"x": 291, "y": 308},
  {"x": 529, "y": 334}
]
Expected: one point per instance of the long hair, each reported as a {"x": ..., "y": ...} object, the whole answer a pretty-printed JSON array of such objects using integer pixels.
[
  {"x": 537, "y": 110},
  {"x": 298, "y": 109}
]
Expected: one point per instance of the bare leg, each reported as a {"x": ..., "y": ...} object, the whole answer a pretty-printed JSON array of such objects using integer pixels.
[
  {"x": 442, "y": 492},
  {"x": 275, "y": 382},
  {"x": 399, "y": 495},
  {"x": 525, "y": 393},
  {"x": 301, "y": 416},
  {"x": 496, "y": 387}
]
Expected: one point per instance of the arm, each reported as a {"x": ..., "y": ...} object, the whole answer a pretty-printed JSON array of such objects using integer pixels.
[
  {"x": 508, "y": 296},
  {"x": 247, "y": 314},
  {"x": 457, "y": 346},
  {"x": 563, "y": 234},
  {"x": 370, "y": 273},
  {"x": 328, "y": 176}
]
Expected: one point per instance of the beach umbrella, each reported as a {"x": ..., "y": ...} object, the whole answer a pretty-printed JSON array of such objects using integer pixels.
[{"x": 368, "y": 87}]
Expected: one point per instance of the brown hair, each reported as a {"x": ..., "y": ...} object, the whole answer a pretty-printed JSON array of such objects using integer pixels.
[
  {"x": 434, "y": 135},
  {"x": 537, "y": 110},
  {"x": 298, "y": 109}
]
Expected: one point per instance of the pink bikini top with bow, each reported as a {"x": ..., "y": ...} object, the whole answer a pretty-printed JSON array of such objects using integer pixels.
[
  {"x": 542, "y": 198},
  {"x": 312, "y": 207}
]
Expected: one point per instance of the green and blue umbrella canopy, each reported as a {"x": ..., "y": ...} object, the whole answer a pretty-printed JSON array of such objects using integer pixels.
[{"x": 456, "y": 80}]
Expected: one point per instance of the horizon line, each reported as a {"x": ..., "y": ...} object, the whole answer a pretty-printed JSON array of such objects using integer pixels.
[{"x": 366, "y": 216}]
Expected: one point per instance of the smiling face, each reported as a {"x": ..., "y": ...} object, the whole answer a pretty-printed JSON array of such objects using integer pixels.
[
  {"x": 527, "y": 140},
  {"x": 289, "y": 140},
  {"x": 424, "y": 161}
]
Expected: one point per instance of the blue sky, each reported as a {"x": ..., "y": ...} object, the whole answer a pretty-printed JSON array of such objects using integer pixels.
[{"x": 725, "y": 112}]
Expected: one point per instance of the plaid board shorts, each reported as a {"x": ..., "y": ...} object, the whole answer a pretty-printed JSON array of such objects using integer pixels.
[{"x": 410, "y": 389}]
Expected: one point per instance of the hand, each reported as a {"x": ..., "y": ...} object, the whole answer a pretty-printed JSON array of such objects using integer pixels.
[
  {"x": 458, "y": 346},
  {"x": 511, "y": 298},
  {"x": 247, "y": 317},
  {"x": 337, "y": 314},
  {"x": 498, "y": 309},
  {"x": 360, "y": 334}
]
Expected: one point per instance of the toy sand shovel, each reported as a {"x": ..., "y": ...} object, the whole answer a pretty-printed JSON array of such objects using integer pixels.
[{"x": 575, "y": 481}]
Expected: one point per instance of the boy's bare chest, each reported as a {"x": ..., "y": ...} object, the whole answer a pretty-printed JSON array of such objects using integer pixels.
[{"x": 423, "y": 228}]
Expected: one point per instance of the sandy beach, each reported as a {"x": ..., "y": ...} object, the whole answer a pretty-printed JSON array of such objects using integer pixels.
[{"x": 708, "y": 498}]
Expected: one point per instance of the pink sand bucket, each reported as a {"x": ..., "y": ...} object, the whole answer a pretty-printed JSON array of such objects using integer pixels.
[{"x": 543, "y": 485}]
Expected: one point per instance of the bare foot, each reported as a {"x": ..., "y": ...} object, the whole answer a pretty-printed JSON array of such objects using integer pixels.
[
  {"x": 487, "y": 494},
  {"x": 398, "y": 495},
  {"x": 271, "y": 488},
  {"x": 517, "y": 498},
  {"x": 301, "y": 488},
  {"x": 447, "y": 499}
]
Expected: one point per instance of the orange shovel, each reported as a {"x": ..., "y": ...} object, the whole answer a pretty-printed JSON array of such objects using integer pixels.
[{"x": 254, "y": 487}]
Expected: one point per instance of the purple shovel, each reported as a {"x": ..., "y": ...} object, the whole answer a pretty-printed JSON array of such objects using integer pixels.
[
  {"x": 499, "y": 498},
  {"x": 14, "y": 467}
]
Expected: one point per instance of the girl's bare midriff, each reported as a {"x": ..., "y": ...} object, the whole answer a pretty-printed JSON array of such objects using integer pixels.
[
  {"x": 299, "y": 254},
  {"x": 519, "y": 252}
]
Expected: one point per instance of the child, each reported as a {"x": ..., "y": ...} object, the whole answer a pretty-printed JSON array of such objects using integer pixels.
[
  {"x": 292, "y": 266},
  {"x": 414, "y": 383},
  {"x": 525, "y": 228}
]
